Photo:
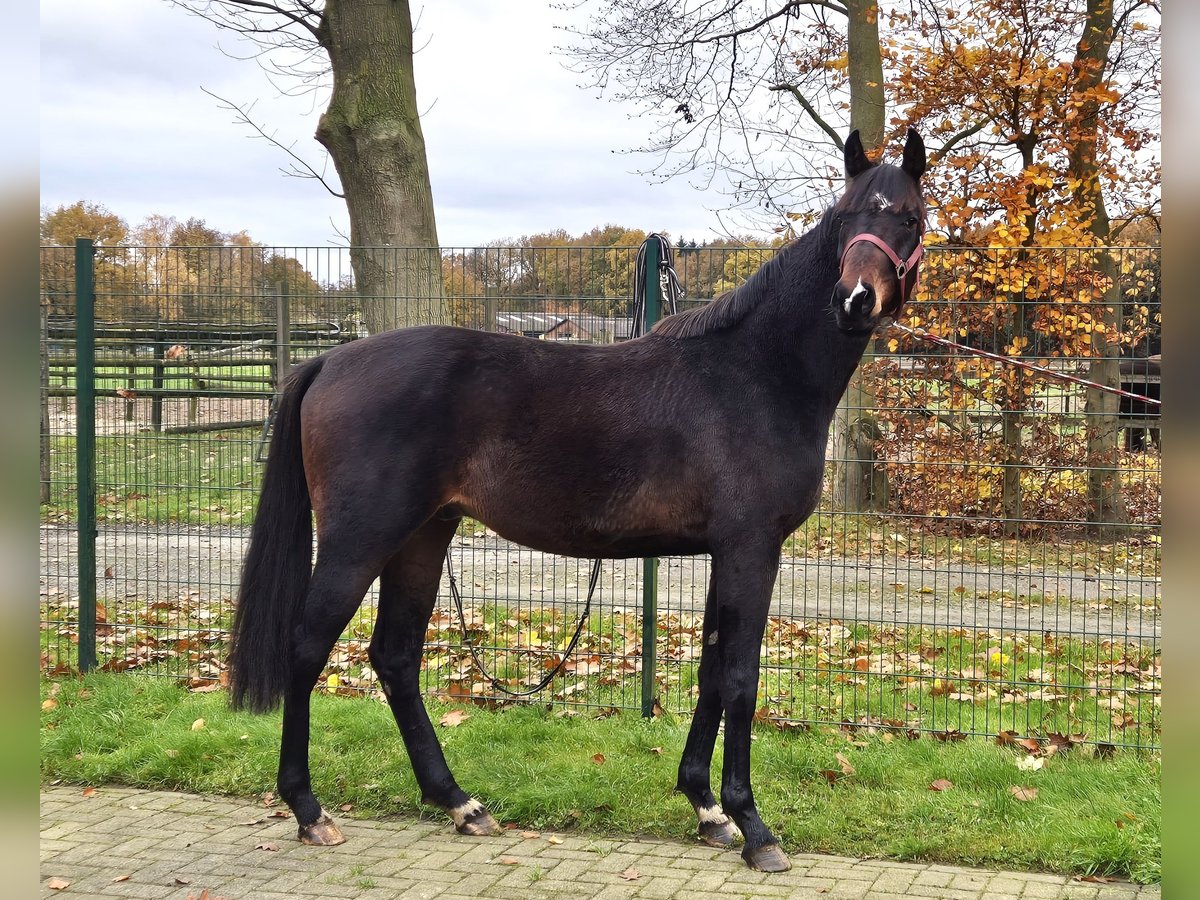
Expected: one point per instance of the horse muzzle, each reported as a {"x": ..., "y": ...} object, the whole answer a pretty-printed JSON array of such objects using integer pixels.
[{"x": 857, "y": 308}]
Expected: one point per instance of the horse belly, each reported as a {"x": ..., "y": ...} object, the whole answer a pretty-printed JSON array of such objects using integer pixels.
[{"x": 584, "y": 514}]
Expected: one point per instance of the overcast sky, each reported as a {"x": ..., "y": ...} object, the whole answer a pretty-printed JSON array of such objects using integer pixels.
[{"x": 515, "y": 145}]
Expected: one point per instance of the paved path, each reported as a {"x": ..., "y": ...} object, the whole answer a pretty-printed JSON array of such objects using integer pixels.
[
  {"x": 164, "y": 563},
  {"x": 126, "y": 843}
]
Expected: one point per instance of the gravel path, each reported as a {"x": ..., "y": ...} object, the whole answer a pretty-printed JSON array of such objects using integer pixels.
[{"x": 145, "y": 562}]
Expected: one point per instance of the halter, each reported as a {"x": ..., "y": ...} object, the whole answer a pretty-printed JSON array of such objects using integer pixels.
[{"x": 903, "y": 267}]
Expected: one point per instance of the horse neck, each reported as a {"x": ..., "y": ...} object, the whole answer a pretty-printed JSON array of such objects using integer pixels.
[{"x": 793, "y": 334}]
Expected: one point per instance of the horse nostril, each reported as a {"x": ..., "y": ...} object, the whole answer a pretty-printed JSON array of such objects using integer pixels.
[{"x": 860, "y": 297}]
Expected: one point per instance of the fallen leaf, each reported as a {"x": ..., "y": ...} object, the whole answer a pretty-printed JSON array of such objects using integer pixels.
[
  {"x": 197, "y": 725},
  {"x": 121, "y": 878},
  {"x": 554, "y": 839},
  {"x": 1096, "y": 879},
  {"x": 279, "y": 814},
  {"x": 454, "y": 718},
  {"x": 656, "y": 750},
  {"x": 179, "y": 880},
  {"x": 346, "y": 807},
  {"x": 57, "y": 884},
  {"x": 631, "y": 874},
  {"x": 1030, "y": 763},
  {"x": 49, "y": 704},
  {"x": 1023, "y": 794},
  {"x": 89, "y": 791},
  {"x": 847, "y": 769},
  {"x": 831, "y": 776},
  {"x": 941, "y": 784},
  {"x": 508, "y": 861},
  {"x": 267, "y": 845},
  {"x": 527, "y": 835},
  {"x": 253, "y": 821},
  {"x": 598, "y": 759}
]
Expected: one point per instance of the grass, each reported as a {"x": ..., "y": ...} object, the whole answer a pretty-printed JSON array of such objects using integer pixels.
[
  {"x": 877, "y": 674},
  {"x": 539, "y": 769}
]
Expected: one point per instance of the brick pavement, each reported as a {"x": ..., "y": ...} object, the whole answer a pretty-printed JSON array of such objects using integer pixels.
[{"x": 122, "y": 843}]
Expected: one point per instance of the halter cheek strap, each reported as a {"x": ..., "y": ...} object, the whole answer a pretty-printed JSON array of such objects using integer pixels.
[{"x": 903, "y": 266}]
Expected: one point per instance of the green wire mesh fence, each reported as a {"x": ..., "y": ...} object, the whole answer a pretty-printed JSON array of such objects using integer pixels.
[{"x": 985, "y": 558}]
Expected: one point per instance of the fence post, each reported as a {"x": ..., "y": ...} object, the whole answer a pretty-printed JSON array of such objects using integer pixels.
[
  {"x": 653, "y": 301},
  {"x": 85, "y": 445},
  {"x": 44, "y": 442},
  {"x": 283, "y": 336}
]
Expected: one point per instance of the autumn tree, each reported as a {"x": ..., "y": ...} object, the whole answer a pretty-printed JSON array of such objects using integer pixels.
[
  {"x": 1048, "y": 114},
  {"x": 361, "y": 53}
]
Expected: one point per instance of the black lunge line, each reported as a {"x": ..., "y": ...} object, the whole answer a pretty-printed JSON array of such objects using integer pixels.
[{"x": 566, "y": 654}]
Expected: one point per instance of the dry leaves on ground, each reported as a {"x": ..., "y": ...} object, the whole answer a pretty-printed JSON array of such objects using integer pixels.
[
  {"x": 454, "y": 718},
  {"x": 1023, "y": 793}
]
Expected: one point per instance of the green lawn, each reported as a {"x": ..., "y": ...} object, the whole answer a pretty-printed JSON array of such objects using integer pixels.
[
  {"x": 883, "y": 676},
  {"x": 614, "y": 775}
]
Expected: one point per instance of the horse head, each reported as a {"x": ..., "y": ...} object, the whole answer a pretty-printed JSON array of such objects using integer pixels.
[{"x": 880, "y": 222}]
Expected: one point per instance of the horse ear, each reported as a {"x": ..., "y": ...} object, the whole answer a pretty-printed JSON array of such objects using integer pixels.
[
  {"x": 856, "y": 158},
  {"x": 914, "y": 155}
]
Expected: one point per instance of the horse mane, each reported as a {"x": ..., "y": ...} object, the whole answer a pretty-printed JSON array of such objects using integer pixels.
[{"x": 735, "y": 304}]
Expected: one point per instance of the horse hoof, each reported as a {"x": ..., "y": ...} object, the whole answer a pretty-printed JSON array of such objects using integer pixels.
[
  {"x": 767, "y": 858},
  {"x": 481, "y": 824},
  {"x": 719, "y": 834},
  {"x": 322, "y": 833}
]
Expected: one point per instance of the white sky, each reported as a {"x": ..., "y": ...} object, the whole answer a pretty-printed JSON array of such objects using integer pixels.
[{"x": 515, "y": 146}]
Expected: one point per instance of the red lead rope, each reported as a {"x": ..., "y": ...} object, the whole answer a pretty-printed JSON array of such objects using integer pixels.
[{"x": 1011, "y": 361}]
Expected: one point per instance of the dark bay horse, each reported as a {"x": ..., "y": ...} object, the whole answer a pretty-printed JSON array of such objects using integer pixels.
[{"x": 706, "y": 435}]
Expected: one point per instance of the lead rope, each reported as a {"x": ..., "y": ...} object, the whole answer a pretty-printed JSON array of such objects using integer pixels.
[
  {"x": 669, "y": 287},
  {"x": 1020, "y": 363},
  {"x": 496, "y": 682}
]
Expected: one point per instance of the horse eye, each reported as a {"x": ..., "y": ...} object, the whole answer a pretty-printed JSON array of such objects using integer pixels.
[{"x": 910, "y": 221}]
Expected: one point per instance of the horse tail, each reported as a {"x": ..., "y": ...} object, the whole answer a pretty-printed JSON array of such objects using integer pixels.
[{"x": 278, "y": 562}]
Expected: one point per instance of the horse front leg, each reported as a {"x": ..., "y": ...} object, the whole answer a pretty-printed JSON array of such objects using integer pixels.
[
  {"x": 743, "y": 578},
  {"x": 695, "y": 766}
]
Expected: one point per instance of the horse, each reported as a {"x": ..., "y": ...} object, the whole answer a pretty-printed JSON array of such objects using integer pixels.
[{"x": 705, "y": 435}]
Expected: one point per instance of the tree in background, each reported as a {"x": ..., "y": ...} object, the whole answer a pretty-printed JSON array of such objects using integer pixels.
[
  {"x": 1047, "y": 111},
  {"x": 361, "y": 52},
  {"x": 751, "y": 96}
]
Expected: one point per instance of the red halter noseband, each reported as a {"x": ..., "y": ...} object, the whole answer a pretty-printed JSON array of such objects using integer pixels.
[{"x": 903, "y": 267}]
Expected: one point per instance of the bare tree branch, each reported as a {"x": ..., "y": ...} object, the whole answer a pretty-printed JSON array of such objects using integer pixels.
[
  {"x": 300, "y": 168},
  {"x": 808, "y": 108}
]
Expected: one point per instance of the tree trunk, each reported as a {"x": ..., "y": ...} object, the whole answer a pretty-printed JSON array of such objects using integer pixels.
[
  {"x": 373, "y": 134},
  {"x": 860, "y": 484},
  {"x": 1104, "y": 477}
]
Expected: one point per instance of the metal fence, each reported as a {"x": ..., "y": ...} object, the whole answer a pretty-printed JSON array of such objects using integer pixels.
[{"x": 1002, "y": 575}]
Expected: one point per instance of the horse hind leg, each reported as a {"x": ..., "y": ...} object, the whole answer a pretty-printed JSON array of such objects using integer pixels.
[
  {"x": 407, "y": 593},
  {"x": 339, "y": 581}
]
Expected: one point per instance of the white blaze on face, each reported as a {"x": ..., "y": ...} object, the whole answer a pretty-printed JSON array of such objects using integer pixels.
[
  {"x": 859, "y": 290},
  {"x": 883, "y": 201}
]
